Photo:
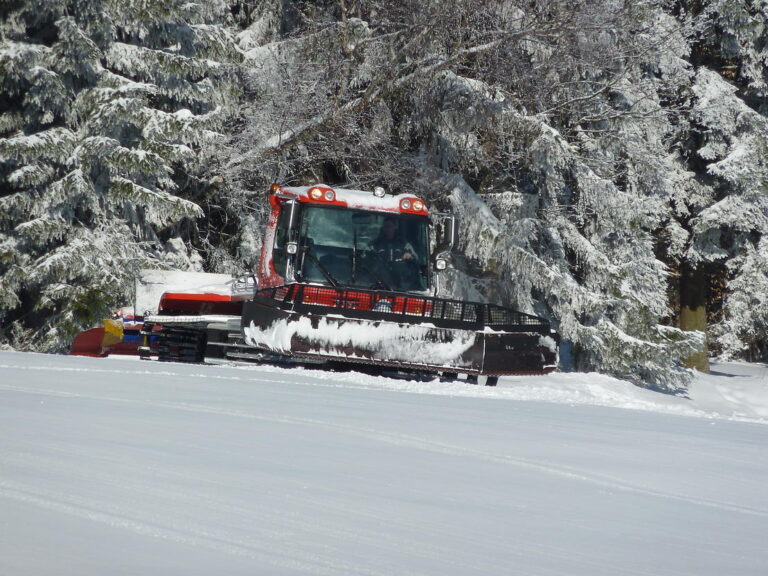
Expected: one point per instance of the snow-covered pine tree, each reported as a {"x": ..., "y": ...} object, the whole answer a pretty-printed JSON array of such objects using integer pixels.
[
  {"x": 729, "y": 224},
  {"x": 109, "y": 111},
  {"x": 733, "y": 37}
]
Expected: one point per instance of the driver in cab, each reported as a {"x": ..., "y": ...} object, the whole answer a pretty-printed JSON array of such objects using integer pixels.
[{"x": 389, "y": 246}]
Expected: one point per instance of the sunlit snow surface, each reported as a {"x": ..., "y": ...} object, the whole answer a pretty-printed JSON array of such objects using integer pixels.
[{"x": 129, "y": 467}]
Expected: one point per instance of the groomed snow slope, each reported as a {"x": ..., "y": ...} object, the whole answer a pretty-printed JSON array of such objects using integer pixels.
[{"x": 129, "y": 467}]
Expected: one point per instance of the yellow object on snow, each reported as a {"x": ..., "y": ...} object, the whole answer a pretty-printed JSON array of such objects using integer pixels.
[{"x": 113, "y": 332}]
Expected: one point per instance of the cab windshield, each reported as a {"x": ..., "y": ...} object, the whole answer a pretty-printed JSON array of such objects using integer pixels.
[{"x": 363, "y": 249}]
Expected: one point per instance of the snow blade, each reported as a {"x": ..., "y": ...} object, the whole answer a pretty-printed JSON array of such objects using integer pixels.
[
  {"x": 397, "y": 330},
  {"x": 88, "y": 343}
]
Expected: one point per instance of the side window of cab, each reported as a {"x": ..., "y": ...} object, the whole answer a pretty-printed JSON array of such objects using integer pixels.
[{"x": 279, "y": 256}]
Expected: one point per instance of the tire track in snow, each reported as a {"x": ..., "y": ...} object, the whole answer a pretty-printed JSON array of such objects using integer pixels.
[
  {"x": 74, "y": 506},
  {"x": 415, "y": 442},
  {"x": 296, "y": 522},
  {"x": 278, "y": 554}
]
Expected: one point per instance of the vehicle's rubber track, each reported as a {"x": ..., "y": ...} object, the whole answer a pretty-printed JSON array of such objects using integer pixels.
[{"x": 176, "y": 344}]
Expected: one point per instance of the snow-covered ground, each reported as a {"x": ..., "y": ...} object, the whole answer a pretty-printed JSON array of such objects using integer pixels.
[{"x": 128, "y": 467}]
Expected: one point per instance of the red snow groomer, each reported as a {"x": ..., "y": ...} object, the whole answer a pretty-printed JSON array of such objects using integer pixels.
[{"x": 348, "y": 279}]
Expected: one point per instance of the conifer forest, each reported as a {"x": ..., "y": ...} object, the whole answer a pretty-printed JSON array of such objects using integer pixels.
[{"x": 607, "y": 160}]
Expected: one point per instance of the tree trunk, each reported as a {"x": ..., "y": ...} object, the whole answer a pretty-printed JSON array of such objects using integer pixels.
[{"x": 693, "y": 311}]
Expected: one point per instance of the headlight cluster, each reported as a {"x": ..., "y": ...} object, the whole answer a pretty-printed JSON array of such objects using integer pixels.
[
  {"x": 319, "y": 194},
  {"x": 412, "y": 205}
]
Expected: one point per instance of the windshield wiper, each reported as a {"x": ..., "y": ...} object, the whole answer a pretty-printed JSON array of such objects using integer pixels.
[{"x": 323, "y": 269}]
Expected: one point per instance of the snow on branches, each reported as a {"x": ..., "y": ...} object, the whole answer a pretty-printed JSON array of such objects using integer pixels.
[{"x": 110, "y": 119}]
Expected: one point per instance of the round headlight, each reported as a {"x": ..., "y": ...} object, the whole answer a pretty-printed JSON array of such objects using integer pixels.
[
  {"x": 329, "y": 195},
  {"x": 379, "y": 192},
  {"x": 418, "y": 205},
  {"x": 315, "y": 193},
  {"x": 405, "y": 204}
]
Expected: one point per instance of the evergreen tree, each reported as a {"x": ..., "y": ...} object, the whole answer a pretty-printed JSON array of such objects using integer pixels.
[
  {"x": 111, "y": 108},
  {"x": 733, "y": 39},
  {"x": 729, "y": 224}
]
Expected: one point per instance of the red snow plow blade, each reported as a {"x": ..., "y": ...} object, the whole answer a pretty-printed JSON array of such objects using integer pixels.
[{"x": 89, "y": 343}]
